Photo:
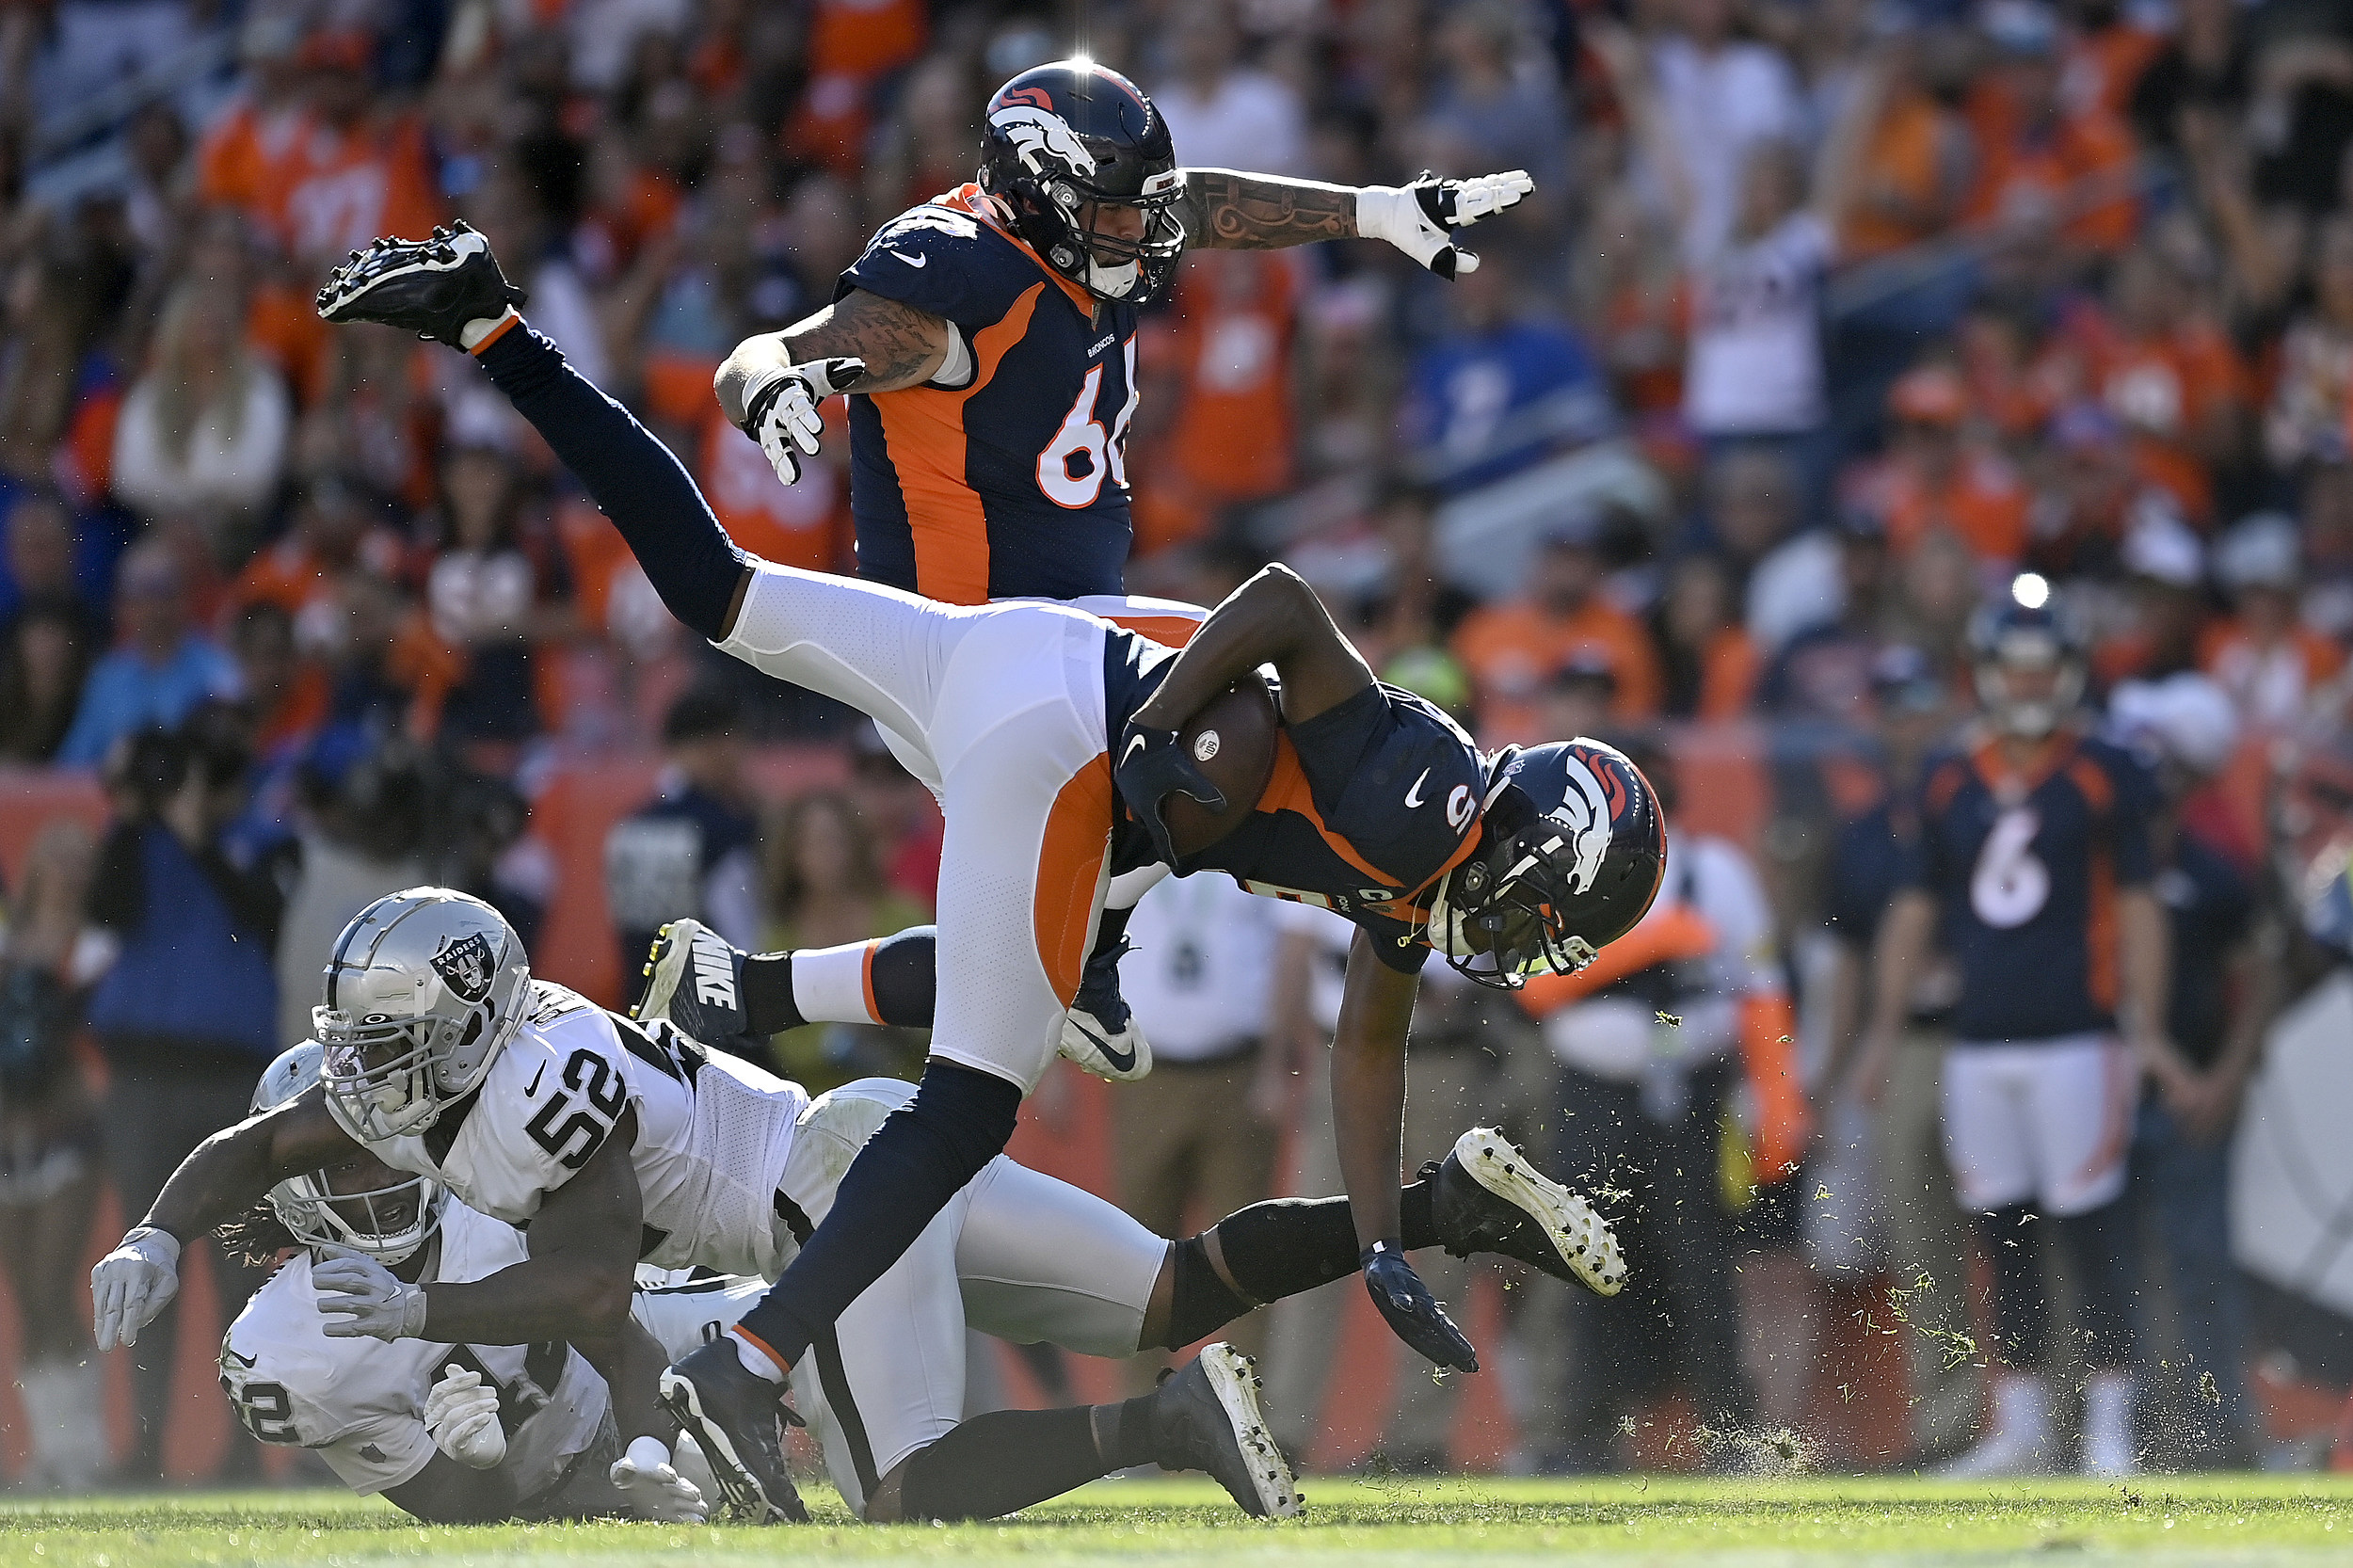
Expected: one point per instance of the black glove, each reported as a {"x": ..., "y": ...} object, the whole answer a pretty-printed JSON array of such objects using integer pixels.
[
  {"x": 1152, "y": 766},
  {"x": 1413, "y": 1312}
]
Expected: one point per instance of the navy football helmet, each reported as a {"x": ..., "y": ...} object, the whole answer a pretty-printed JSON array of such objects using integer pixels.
[
  {"x": 2030, "y": 632},
  {"x": 1065, "y": 140},
  {"x": 1573, "y": 851}
]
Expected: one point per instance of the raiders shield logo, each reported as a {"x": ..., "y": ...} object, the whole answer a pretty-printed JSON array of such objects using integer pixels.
[{"x": 466, "y": 966}]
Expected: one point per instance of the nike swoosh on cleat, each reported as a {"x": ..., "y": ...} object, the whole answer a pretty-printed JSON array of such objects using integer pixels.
[
  {"x": 1413, "y": 796},
  {"x": 1121, "y": 1061},
  {"x": 911, "y": 261}
]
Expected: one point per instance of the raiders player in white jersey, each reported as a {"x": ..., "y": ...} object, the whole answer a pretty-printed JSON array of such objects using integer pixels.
[
  {"x": 620, "y": 1143},
  {"x": 452, "y": 1434}
]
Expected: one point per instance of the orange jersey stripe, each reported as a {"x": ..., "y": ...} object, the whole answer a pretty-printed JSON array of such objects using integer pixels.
[
  {"x": 924, "y": 433},
  {"x": 1069, "y": 867},
  {"x": 866, "y": 981},
  {"x": 1287, "y": 790}
]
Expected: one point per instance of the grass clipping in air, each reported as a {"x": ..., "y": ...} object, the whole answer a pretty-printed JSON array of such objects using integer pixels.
[{"x": 1722, "y": 1524}]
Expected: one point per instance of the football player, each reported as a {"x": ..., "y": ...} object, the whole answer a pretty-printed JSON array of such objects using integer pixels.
[
  {"x": 988, "y": 341},
  {"x": 451, "y": 1433},
  {"x": 620, "y": 1144},
  {"x": 2033, "y": 865},
  {"x": 1373, "y": 801}
]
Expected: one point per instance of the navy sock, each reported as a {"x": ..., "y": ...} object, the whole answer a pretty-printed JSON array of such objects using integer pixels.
[
  {"x": 1285, "y": 1246},
  {"x": 905, "y": 974},
  {"x": 687, "y": 556},
  {"x": 995, "y": 1463},
  {"x": 768, "y": 1006},
  {"x": 2100, "y": 1246},
  {"x": 919, "y": 1158},
  {"x": 2021, "y": 1313}
]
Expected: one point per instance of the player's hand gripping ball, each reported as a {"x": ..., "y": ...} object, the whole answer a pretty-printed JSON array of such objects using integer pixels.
[
  {"x": 782, "y": 413},
  {"x": 462, "y": 1414}
]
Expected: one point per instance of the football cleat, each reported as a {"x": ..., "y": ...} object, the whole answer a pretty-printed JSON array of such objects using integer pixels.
[
  {"x": 1488, "y": 1198},
  {"x": 1206, "y": 1416},
  {"x": 695, "y": 979},
  {"x": 431, "y": 287},
  {"x": 1100, "y": 1032},
  {"x": 736, "y": 1418}
]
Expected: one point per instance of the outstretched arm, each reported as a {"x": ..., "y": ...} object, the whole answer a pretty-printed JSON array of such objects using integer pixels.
[
  {"x": 231, "y": 1171},
  {"x": 1226, "y": 209}
]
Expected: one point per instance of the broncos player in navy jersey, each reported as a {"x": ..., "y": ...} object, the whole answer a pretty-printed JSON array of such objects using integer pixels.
[
  {"x": 1057, "y": 738},
  {"x": 2033, "y": 865},
  {"x": 988, "y": 341}
]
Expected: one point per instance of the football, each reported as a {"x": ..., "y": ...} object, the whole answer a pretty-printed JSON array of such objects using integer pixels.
[{"x": 1232, "y": 741}]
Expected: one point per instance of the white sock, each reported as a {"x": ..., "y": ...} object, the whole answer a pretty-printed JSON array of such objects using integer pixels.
[
  {"x": 829, "y": 984},
  {"x": 63, "y": 1406},
  {"x": 471, "y": 334},
  {"x": 755, "y": 1359},
  {"x": 2108, "y": 1411}
]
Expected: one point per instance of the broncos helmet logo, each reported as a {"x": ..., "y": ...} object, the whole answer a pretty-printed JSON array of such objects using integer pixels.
[
  {"x": 1583, "y": 818},
  {"x": 1040, "y": 137},
  {"x": 467, "y": 965}
]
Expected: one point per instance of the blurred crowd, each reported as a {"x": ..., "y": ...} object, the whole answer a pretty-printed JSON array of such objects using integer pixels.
[{"x": 1826, "y": 318}]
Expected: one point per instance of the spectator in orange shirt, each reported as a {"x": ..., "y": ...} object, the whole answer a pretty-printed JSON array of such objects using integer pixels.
[
  {"x": 2047, "y": 170},
  {"x": 242, "y": 159},
  {"x": 1511, "y": 648},
  {"x": 1710, "y": 662},
  {"x": 1935, "y": 477},
  {"x": 333, "y": 535},
  {"x": 1238, "y": 310},
  {"x": 351, "y": 176},
  {"x": 2264, "y": 657},
  {"x": 2165, "y": 370}
]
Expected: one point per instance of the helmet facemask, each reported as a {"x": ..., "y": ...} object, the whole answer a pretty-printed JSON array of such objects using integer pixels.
[
  {"x": 387, "y": 1223},
  {"x": 380, "y": 1071},
  {"x": 2029, "y": 651},
  {"x": 1491, "y": 918}
]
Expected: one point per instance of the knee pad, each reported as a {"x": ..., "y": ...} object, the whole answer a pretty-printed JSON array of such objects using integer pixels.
[{"x": 1202, "y": 1303}]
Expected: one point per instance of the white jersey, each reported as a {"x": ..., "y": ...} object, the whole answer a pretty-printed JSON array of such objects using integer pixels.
[
  {"x": 359, "y": 1403},
  {"x": 712, "y": 1134}
]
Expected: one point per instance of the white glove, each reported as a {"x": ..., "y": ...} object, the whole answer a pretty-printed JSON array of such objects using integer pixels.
[
  {"x": 462, "y": 1414},
  {"x": 360, "y": 1296},
  {"x": 132, "y": 1283},
  {"x": 1418, "y": 219},
  {"x": 781, "y": 412},
  {"x": 652, "y": 1489}
]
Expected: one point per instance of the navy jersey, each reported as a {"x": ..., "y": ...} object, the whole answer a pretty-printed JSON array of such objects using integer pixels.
[
  {"x": 2210, "y": 907},
  {"x": 2025, "y": 869},
  {"x": 1367, "y": 805},
  {"x": 1005, "y": 476}
]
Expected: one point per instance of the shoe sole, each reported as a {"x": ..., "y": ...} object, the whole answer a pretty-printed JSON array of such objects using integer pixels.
[
  {"x": 1234, "y": 1379},
  {"x": 745, "y": 1498},
  {"x": 1088, "y": 1052},
  {"x": 1582, "y": 1238},
  {"x": 347, "y": 296},
  {"x": 665, "y": 967}
]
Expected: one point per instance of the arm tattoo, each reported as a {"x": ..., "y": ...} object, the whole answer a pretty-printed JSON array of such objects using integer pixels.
[
  {"x": 901, "y": 345},
  {"x": 1227, "y": 210}
]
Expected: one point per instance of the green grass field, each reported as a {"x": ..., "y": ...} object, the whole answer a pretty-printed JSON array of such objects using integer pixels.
[{"x": 2182, "y": 1520}]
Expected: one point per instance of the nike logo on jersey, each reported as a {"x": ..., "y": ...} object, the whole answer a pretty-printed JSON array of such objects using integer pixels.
[
  {"x": 534, "y": 1081},
  {"x": 1121, "y": 1061},
  {"x": 1135, "y": 745},
  {"x": 714, "y": 971},
  {"x": 1413, "y": 796},
  {"x": 912, "y": 261}
]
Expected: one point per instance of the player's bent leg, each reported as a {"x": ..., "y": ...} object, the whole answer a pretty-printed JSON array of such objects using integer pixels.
[
  {"x": 717, "y": 992},
  {"x": 1041, "y": 1260},
  {"x": 1205, "y": 1416}
]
